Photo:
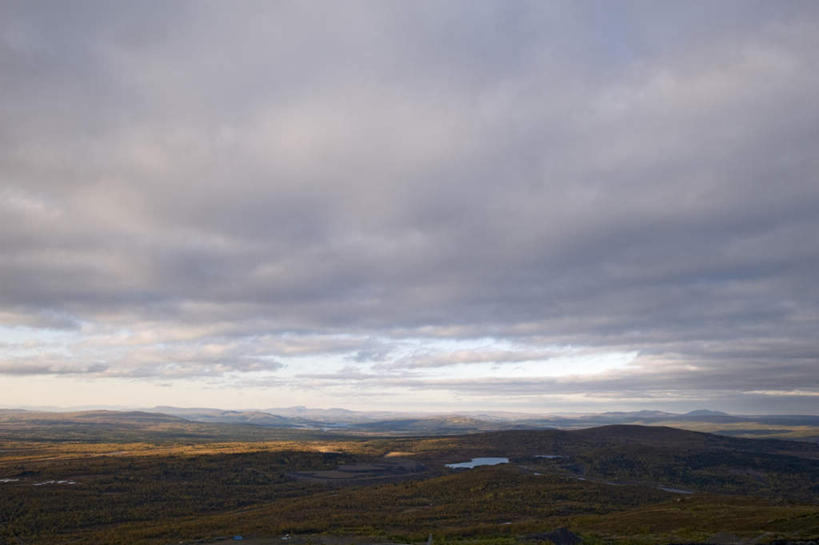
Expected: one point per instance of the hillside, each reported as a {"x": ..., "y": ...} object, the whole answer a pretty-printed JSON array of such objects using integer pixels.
[{"x": 132, "y": 481}]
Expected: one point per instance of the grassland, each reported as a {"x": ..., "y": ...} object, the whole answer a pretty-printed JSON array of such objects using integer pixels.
[{"x": 134, "y": 483}]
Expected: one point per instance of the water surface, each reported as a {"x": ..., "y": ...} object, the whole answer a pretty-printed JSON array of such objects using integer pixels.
[
  {"x": 675, "y": 490},
  {"x": 475, "y": 462}
]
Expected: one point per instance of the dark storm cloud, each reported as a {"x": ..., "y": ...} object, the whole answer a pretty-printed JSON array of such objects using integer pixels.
[{"x": 639, "y": 178}]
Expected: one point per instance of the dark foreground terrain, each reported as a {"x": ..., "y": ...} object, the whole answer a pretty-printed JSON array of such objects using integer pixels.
[{"x": 138, "y": 478}]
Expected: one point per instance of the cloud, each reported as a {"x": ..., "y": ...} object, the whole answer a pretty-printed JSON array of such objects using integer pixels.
[
  {"x": 22, "y": 369},
  {"x": 485, "y": 355},
  {"x": 182, "y": 176}
]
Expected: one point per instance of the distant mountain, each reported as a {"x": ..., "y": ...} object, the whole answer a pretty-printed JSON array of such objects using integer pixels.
[
  {"x": 141, "y": 417},
  {"x": 438, "y": 425},
  {"x": 804, "y": 427},
  {"x": 636, "y": 414},
  {"x": 302, "y": 420},
  {"x": 337, "y": 415},
  {"x": 705, "y": 412},
  {"x": 258, "y": 418},
  {"x": 11, "y": 412},
  {"x": 90, "y": 417}
]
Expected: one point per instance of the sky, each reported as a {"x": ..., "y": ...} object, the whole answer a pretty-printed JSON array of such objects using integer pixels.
[{"x": 440, "y": 206}]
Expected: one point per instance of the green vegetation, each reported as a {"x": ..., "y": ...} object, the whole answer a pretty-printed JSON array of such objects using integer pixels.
[{"x": 602, "y": 484}]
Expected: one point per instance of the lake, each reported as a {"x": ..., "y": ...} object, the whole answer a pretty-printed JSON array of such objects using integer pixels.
[{"x": 475, "y": 462}]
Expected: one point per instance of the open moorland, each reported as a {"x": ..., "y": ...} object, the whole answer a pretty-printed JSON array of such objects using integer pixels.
[{"x": 139, "y": 478}]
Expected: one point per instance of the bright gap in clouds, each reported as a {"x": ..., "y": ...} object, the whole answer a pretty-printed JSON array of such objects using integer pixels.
[
  {"x": 292, "y": 357},
  {"x": 498, "y": 358},
  {"x": 451, "y": 360},
  {"x": 46, "y": 367},
  {"x": 561, "y": 366}
]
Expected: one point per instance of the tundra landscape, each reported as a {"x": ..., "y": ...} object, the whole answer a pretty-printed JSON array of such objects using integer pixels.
[{"x": 152, "y": 478}]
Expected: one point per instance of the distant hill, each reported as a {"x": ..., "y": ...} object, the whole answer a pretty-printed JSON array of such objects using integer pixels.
[
  {"x": 705, "y": 412},
  {"x": 125, "y": 426},
  {"x": 636, "y": 414},
  {"x": 337, "y": 416},
  {"x": 302, "y": 419},
  {"x": 258, "y": 418},
  {"x": 802, "y": 427},
  {"x": 437, "y": 425},
  {"x": 88, "y": 417}
]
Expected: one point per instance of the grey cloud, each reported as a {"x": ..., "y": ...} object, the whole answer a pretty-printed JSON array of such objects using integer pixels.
[
  {"x": 168, "y": 368},
  {"x": 165, "y": 368},
  {"x": 640, "y": 178},
  {"x": 25, "y": 369},
  {"x": 682, "y": 383}
]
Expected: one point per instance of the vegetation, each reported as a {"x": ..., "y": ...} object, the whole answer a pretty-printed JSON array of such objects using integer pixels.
[{"x": 603, "y": 484}]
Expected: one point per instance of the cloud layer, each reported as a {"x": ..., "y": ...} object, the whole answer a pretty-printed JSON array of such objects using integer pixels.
[{"x": 363, "y": 195}]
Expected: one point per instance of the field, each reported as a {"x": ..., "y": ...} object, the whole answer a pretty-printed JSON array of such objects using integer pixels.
[{"x": 137, "y": 480}]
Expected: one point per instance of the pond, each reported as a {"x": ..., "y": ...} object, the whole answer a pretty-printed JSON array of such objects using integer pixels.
[
  {"x": 475, "y": 462},
  {"x": 675, "y": 490},
  {"x": 54, "y": 482}
]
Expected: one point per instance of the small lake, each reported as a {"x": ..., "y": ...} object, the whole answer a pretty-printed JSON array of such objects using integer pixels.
[
  {"x": 675, "y": 490},
  {"x": 54, "y": 482},
  {"x": 475, "y": 462}
]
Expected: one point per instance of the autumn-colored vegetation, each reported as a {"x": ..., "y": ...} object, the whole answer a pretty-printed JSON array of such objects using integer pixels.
[{"x": 603, "y": 484}]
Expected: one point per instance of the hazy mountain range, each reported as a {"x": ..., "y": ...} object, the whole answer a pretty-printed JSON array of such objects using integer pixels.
[
  {"x": 798, "y": 426},
  {"x": 299, "y": 419}
]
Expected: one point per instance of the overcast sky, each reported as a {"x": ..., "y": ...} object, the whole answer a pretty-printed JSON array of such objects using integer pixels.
[{"x": 530, "y": 206}]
